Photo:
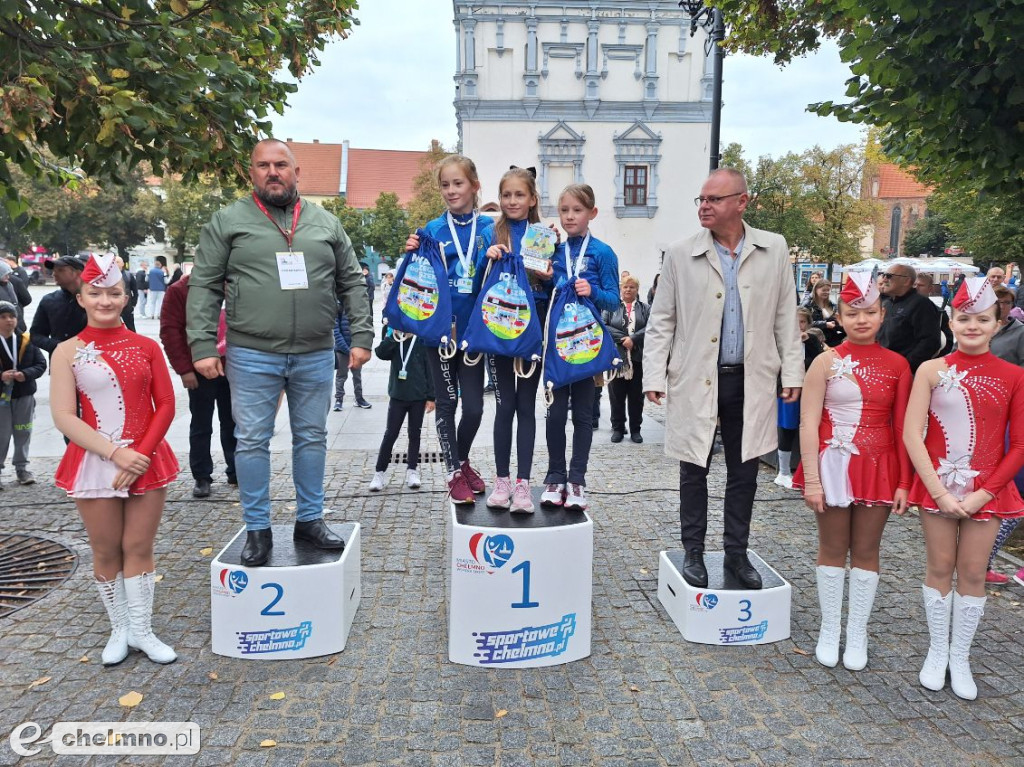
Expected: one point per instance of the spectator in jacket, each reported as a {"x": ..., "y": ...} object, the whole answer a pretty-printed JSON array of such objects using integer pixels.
[
  {"x": 142, "y": 283},
  {"x": 911, "y": 325},
  {"x": 342, "y": 348},
  {"x": 21, "y": 363},
  {"x": 204, "y": 394},
  {"x": 924, "y": 285},
  {"x": 18, "y": 270},
  {"x": 823, "y": 313},
  {"x": 628, "y": 325},
  {"x": 133, "y": 294},
  {"x": 157, "y": 286},
  {"x": 59, "y": 315},
  {"x": 14, "y": 291}
]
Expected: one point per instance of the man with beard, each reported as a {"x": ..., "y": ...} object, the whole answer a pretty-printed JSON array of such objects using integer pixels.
[{"x": 282, "y": 265}]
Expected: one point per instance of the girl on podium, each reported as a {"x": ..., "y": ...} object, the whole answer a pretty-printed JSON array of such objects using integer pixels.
[
  {"x": 854, "y": 470},
  {"x": 117, "y": 465},
  {"x": 956, "y": 434},
  {"x": 465, "y": 235}
]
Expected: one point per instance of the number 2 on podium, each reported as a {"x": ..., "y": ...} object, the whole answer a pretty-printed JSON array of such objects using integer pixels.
[
  {"x": 525, "y": 568},
  {"x": 280, "y": 593}
]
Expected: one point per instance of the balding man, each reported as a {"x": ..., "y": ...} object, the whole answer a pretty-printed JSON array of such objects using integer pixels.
[
  {"x": 996, "y": 275},
  {"x": 911, "y": 324},
  {"x": 282, "y": 265},
  {"x": 721, "y": 334}
]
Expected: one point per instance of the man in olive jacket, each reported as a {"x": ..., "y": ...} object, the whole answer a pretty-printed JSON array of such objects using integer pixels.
[{"x": 281, "y": 265}]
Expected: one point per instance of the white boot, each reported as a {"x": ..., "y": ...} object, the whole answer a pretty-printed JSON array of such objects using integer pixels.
[
  {"x": 863, "y": 584},
  {"x": 967, "y": 612},
  {"x": 830, "y": 598},
  {"x": 139, "y": 590},
  {"x": 112, "y": 596},
  {"x": 936, "y": 610}
]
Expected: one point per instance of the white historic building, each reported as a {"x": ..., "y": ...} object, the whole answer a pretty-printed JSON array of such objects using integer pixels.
[{"x": 615, "y": 94}]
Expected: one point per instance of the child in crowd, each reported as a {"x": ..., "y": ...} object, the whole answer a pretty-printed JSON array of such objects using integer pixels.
[
  {"x": 411, "y": 390},
  {"x": 21, "y": 363},
  {"x": 964, "y": 483},
  {"x": 342, "y": 350},
  {"x": 854, "y": 469},
  {"x": 465, "y": 236},
  {"x": 118, "y": 465},
  {"x": 515, "y": 395},
  {"x": 789, "y": 412},
  {"x": 593, "y": 268}
]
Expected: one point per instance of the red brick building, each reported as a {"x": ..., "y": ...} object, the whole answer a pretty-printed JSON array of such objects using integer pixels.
[{"x": 904, "y": 202}]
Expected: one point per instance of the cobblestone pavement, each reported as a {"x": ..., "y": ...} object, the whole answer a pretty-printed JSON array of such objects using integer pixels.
[{"x": 644, "y": 696}]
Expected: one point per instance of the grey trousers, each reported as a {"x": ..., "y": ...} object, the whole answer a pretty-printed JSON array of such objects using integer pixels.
[
  {"x": 16, "y": 421},
  {"x": 341, "y": 375}
]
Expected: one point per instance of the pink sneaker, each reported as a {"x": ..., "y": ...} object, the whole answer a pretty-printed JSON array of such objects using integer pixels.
[
  {"x": 458, "y": 489},
  {"x": 1019, "y": 576},
  {"x": 473, "y": 479},
  {"x": 575, "y": 497},
  {"x": 522, "y": 498},
  {"x": 501, "y": 498},
  {"x": 992, "y": 578}
]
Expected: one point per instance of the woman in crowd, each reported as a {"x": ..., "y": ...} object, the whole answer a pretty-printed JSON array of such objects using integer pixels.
[
  {"x": 628, "y": 324},
  {"x": 823, "y": 313}
]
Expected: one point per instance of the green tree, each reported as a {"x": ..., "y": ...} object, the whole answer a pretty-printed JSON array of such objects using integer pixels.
[
  {"x": 188, "y": 206},
  {"x": 941, "y": 80},
  {"x": 388, "y": 227},
  {"x": 352, "y": 221},
  {"x": 778, "y": 202},
  {"x": 123, "y": 215},
  {"x": 184, "y": 84},
  {"x": 929, "y": 236},
  {"x": 989, "y": 227},
  {"x": 427, "y": 202}
]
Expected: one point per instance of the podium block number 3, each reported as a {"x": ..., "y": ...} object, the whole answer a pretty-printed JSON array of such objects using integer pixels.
[
  {"x": 745, "y": 613},
  {"x": 268, "y": 610},
  {"x": 524, "y": 567}
]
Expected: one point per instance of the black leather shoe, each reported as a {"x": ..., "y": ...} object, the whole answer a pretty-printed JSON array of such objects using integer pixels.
[
  {"x": 202, "y": 489},
  {"x": 617, "y": 435},
  {"x": 739, "y": 567},
  {"x": 257, "y": 547},
  {"x": 694, "y": 571},
  {"x": 317, "y": 532},
  {"x": 636, "y": 437},
  {"x": 233, "y": 480}
]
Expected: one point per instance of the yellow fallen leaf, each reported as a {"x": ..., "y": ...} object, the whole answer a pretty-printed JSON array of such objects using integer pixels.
[
  {"x": 500, "y": 714},
  {"x": 130, "y": 699},
  {"x": 277, "y": 696},
  {"x": 84, "y": 659},
  {"x": 39, "y": 681},
  {"x": 158, "y": 578},
  {"x": 634, "y": 688},
  {"x": 207, "y": 551},
  {"x": 643, "y": 570},
  {"x": 268, "y": 743},
  {"x": 213, "y": 676},
  {"x": 332, "y": 661},
  {"x": 798, "y": 651}
]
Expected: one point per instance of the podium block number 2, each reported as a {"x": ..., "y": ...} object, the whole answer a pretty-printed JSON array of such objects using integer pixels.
[
  {"x": 524, "y": 567},
  {"x": 268, "y": 610}
]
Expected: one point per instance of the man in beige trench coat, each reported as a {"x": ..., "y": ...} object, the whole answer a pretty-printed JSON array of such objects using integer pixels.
[{"x": 721, "y": 334}]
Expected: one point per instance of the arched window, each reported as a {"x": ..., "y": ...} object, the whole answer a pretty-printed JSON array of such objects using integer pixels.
[{"x": 894, "y": 230}]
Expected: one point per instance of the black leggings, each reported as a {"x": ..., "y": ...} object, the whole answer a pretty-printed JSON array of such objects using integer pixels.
[
  {"x": 582, "y": 393},
  {"x": 514, "y": 398},
  {"x": 786, "y": 438},
  {"x": 397, "y": 411},
  {"x": 455, "y": 380}
]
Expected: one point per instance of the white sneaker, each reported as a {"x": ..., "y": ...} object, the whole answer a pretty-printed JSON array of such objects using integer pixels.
[
  {"x": 522, "y": 497},
  {"x": 501, "y": 498},
  {"x": 553, "y": 495},
  {"x": 575, "y": 497},
  {"x": 784, "y": 481},
  {"x": 377, "y": 483},
  {"x": 412, "y": 479}
]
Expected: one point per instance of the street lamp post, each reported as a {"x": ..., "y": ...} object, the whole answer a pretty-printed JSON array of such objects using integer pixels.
[{"x": 711, "y": 21}]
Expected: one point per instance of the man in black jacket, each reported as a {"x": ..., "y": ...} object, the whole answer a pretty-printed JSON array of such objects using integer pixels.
[
  {"x": 59, "y": 316},
  {"x": 911, "y": 324},
  {"x": 21, "y": 363}
]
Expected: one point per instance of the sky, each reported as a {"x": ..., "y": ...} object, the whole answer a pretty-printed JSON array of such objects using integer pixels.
[{"x": 390, "y": 86}]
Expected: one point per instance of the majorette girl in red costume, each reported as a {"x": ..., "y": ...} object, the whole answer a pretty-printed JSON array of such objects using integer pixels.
[
  {"x": 854, "y": 469},
  {"x": 117, "y": 465},
  {"x": 956, "y": 431}
]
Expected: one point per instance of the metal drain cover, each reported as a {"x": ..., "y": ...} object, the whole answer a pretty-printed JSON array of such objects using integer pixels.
[{"x": 30, "y": 568}]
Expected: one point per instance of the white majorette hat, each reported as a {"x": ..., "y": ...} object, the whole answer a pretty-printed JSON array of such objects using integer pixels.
[
  {"x": 102, "y": 271},
  {"x": 975, "y": 295},
  {"x": 860, "y": 290}
]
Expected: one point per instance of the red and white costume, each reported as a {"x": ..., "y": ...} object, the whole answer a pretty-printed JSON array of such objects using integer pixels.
[{"x": 125, "y": 394}]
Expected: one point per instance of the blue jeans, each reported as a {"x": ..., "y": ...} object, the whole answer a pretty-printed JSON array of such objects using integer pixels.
[{"x": 257, "y": 380}]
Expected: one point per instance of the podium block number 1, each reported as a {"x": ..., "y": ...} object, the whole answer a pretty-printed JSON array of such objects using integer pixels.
[
  {"x": 525, "y": 568},
  {"x": 268, "y": 610}
]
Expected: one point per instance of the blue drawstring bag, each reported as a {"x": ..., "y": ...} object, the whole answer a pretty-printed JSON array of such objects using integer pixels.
[
  {"x": 420, "y": 301},
  {"x": 577, "y": 345},
  {"x": 504, "y": 319}
]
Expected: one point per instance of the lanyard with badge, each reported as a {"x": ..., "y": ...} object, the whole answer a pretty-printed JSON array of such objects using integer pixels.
[
  {"x": 465, "y": 283},
  {"x": 12, "y": 351},
  {"x": 572, "y": 271},
  {"x": 405, "y": 355},
  {"x": 291, "y": 264}
]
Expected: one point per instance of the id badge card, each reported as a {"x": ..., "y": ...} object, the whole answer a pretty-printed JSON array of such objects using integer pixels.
[
  {"x": 464, "y": 285},
  {"x": 291, "y": 269},
  {"x": 402, "y": 375}
]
